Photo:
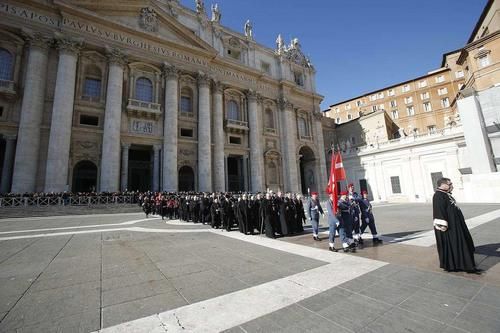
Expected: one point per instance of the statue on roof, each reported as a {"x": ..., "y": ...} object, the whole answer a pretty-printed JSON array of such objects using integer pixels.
[
  {"x": 248, "y": 29},
  {"x": 280, "y": 45},
  {"x": 216, "y": 15},
  {"x": 200, "y": 6}
]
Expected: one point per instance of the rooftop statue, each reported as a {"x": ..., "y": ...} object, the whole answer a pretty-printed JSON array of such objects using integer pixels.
[
  {"x": 248, "y": 29},
  {"x": 216, "y": 15}
]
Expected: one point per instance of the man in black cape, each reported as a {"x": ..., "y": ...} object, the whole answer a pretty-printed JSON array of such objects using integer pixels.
[{"x": 453, "y": 239}]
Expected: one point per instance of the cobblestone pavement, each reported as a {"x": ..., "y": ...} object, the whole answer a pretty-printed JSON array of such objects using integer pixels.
[{"x": 125, "y": 273}]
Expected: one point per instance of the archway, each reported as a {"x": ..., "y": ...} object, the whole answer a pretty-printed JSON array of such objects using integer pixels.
[
  {"x": 186, "y": 179},
  {"x": 84, "y": 177},
  {"x": 307, "y": 170}
]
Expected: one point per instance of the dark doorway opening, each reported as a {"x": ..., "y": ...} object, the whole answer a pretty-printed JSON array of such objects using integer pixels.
[
  {"x": 307, "y": 170},
  {"x": 235, "y": 178},
  {"x": 186, "y": 179},
  {"x": 84, "y": 177},
  {"x": 140, "y": 169},
  {"x": 363, "y": 186},
  {"x": 2, "y": 155}
]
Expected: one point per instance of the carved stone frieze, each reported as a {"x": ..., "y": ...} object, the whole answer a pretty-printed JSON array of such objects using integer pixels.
[
  {"x": 116, "y": 56},
  {"x": 170, "y": 72},
  {"x": 68, "y": 44},
  {"x": 148, "y": 19}
]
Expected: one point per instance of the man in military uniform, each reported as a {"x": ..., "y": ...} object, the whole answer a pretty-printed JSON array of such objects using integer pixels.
[
  {"x": 314, "y": 210},
  {"x": 367, "y": 218},
  {"x": 346, "y": 223}
]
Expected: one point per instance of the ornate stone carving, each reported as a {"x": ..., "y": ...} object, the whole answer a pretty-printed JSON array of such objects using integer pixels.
[
  {"x": 148, "y": 20},
  {"x": 36, "y": 39},
  {"x": 169, "y": 71},
  {"x": 216, "y": 15},
  {"x": 318, "y": 115},
  {"x": 252, "y": 95},
  {"x": 293, "y": 52},
  {"x": 284, "y": 104},
  {"x": 86, "y": 144},
  {"x": 68, "y": 44},
  {"x": 203, "y": 79},
  {"x": 218, "y": 87},
  {"x": 116, "y": 56}
]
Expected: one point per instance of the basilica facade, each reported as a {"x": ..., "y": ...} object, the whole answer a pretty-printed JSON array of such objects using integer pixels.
[{"x": 138, "y": 95}]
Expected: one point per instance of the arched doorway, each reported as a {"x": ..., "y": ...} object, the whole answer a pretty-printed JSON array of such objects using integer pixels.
[
  {"x": 186, "y": 179},
  {"x": 84, "y": 177},
  {"x": 307, "y": 170}
]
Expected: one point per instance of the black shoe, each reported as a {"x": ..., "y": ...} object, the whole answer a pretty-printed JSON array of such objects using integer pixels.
[
  {"x": 377, "y": 241},
  {"x": 360, "y": 241},
  {"x": 333, "y": 249},
  {"x": 316, "y": 238},
  {"x": 346, "y": 249},
  {"x": 476, "y": 271},
  {"x": 352, "y": 246}
]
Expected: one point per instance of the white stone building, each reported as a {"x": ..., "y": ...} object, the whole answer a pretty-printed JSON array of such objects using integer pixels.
[{"x": 137, "y": 95}]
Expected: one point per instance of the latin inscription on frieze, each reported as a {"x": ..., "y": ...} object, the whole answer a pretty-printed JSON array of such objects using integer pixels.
[{"x": 142, "y": 127}]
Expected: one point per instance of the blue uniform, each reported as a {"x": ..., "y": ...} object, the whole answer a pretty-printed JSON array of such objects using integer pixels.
[
  {"x": 332, "y": 223},
  {"x": 367, "y": 218},
  {"x": 313, "y": 210},
  {"x": 346, "y": 222},
  {"x": 354, "y": 199}
]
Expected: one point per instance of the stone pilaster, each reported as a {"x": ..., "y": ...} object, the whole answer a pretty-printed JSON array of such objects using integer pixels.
[
  {"x": 56, "y": 176},
  {"x": 255, "y": 137},
  {"x": 110, "y": 158},
  {"x": 28, "y": 141},
  {"x": 289, "y": 136},
  {"x": 320, "y": 143},
  {"x": 8, "y": 160},
  {"x": 124, "y": 167},
  {"x": 204, "y": 137},
  {"x": 170, "y": 175},
  {"x": 219, "y": 173},
  {"x": 156, "y": 168}
]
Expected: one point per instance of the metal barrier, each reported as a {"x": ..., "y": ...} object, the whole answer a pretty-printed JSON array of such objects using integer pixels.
[{"x": 70, "y": 201}]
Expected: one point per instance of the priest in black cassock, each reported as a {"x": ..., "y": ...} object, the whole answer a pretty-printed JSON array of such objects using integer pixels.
[{"x": 453, "y": 239}]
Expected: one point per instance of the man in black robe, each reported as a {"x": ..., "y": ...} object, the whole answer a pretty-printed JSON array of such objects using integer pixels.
[
  {"x": 453, "y": 239},
  {"x": 267, "y": 211}
]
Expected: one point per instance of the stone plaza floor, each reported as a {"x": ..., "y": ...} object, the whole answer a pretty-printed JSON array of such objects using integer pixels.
[{"x": 122, "y": 272}]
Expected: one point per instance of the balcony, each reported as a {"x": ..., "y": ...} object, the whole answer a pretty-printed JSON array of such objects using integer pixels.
[
  {"x": 142, "y": 109},
  {"x": 8, "y": 88},
  {"x": 236, "y": 126}
]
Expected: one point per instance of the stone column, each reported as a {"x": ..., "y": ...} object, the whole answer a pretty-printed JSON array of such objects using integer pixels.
[
  {"x": 219, "y": 173},
  {"x": 289, "y": 136},
  {"x": 204, "y": 141},
  {"x": 156, "y": 168},
  {"x": 56, "y": 174},
  {"x": 110, "y": 158},
  {"x": 124, "y": 173},
  {"x": 170, "y": 175},
  {"x": 320, "y": 143},
  {"x": 28, "y": 140},
  {"x": 10, "y": 141},
  {"x": 255, "y": 138},
  {"x": 478, "y": 144}
]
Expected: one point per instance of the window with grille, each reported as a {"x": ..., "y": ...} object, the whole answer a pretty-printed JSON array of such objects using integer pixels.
[
  {"x": 6, "y": 64},
  {"x": 233, "y": 111},
  {"x": 144, "y": 90},
  {"x": 92, "y": 88},
  {"x": 302, "y": 127},
  {"x": 395, "y": 184}
]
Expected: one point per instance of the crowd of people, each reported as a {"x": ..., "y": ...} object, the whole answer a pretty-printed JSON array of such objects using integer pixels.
[{"x": 273, "y": 214}]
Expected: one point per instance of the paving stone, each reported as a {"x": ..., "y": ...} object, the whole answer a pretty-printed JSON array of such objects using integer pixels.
[
  {"x": 116, "y": 314},
  {"x": 435, "y": 305},
  {"x": 137, "y": 291},
  {"x": 416, "y": 277},
  {"x": 8, "y": 301},
  {"x": 131, "y": 279},
  {"x": 456, "y": 286},
  {"x": 15, "y": 285},
  {"x": 391, "y": 292},
  {"x": 332, "y": 297},
  {"x": 478, "y": 317},
  {"x": 489, "y": 295},
  {"x": 397, "y": 320},
  {"x": 362, "y": 282},
  {"x": 49, "y": 305},
  {"x": 82, "y": 323}
]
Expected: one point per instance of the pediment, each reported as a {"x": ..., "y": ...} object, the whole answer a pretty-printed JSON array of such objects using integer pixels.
[{"x": 157, "y": 18}]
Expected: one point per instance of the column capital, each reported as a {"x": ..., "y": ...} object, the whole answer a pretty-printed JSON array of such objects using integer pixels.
[
  {"x": 218, "y": 87},
  {"x": 36, "y": 39},
  {"x": 116, "y": 56},
  {"x": 284, "y": 104},
  {"x": 156, "y": 148},
  {"x": 68, "y": 44},
  {"x": 126, "y": 146},
  {"x": 318, "y": 115},
  {"x": 170, "y": 71},
  {"x": 203, "y": 80},
  {"x": 252, "y": 95}
]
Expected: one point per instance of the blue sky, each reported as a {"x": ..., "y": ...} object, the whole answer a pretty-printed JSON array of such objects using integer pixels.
[{"x": 359, "y": 45}]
